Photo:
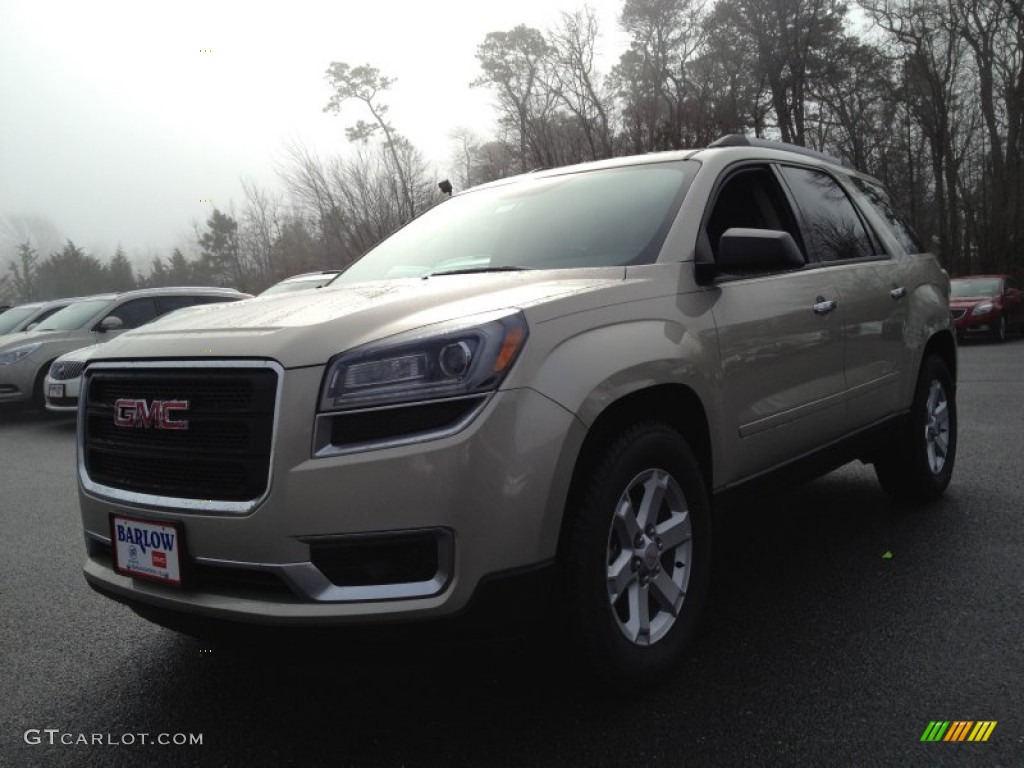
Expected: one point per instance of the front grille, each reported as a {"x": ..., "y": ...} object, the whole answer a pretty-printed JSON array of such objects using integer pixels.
[
  {"x": 62, "y": 371},
  {"x": 957, "y": 313},
  {"x": 222, "y": 455}
]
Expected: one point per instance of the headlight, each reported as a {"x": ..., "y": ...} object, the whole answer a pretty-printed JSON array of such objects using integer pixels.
[
  {"x": 18, "y": 353},
  {"x": 449, "y": 360},
  {"x": 982, "y": 309}
]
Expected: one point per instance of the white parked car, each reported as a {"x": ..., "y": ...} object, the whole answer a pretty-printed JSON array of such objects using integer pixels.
[
  {"x": 303, "y": 282},
  {"x": 62, "y": 382}
]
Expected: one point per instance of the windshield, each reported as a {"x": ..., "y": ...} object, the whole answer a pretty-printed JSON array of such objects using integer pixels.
[
  {"x": 74, "y": 316},
  {"x": 599, "y": 218},
  {"x": 12, "y": 319},
  {"x": 981, "y": 287}
]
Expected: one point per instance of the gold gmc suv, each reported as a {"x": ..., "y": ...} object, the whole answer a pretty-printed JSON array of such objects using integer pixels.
[{"x": 533, "y": 394}]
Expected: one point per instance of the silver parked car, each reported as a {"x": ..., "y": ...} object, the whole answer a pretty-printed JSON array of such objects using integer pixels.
[
  {"x": 539, "y": 387},
  {"x": 24, "y": 317},
  {"x": 25, "y": 359}
]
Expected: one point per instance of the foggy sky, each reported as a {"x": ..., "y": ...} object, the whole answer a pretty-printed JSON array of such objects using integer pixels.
[{"x": 117, "y": 124}]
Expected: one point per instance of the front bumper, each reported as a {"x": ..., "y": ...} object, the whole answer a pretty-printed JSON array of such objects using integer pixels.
[
  {"x": 16, "y": 380},
  {"x": 966, "y": 324},
  {"x": 496, "y": 490},
  {"x": 69, "y": 402}
]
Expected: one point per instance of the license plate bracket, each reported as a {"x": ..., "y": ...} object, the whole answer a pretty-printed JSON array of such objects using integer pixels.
[{"x": 153, "y": 550}]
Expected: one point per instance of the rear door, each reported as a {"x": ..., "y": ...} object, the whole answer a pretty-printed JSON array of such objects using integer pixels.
[{"x": 872, "y": 288}]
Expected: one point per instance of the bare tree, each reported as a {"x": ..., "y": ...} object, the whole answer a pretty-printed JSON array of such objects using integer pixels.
[
  {"x": 260, "y": 228},
  {"x": 308, "y": 180},
  {"x": 934, "y": 73},
  {"x": 574, "y": 79}
]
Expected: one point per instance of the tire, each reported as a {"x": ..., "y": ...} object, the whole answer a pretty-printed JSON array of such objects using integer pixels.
[
  {"x": 632, "y": 631},
  {"x": 38, "y": 396},
  {"x": 918, "y": 465},
  {"x": 999, "y": 332}
]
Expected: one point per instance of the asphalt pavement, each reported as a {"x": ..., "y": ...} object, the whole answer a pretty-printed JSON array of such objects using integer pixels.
[{"x": 838, "y": 628}]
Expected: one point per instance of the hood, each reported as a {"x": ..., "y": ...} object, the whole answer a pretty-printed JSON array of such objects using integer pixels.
[
  {"x": 309, "y": 327},
  {"x": 970, "y": 301},
  {"x": 12, "y": 340},
  {"x": 79, "y": 355}
]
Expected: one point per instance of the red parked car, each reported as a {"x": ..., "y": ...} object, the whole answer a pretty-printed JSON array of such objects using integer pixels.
[{"x": 990, "y": 305}]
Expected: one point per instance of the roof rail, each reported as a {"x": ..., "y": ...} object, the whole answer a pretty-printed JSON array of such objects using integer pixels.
[{"x": 739, "y": 140}]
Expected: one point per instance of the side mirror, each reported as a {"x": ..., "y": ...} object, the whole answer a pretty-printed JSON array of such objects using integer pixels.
[
  {"x": 110, "y": 323},
  {"x": 741, "y": 249}
]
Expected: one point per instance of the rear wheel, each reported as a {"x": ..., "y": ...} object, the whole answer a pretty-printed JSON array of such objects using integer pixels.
[
  {"x": 639, "y": 556},
  {"x": 918, "y": 464}
]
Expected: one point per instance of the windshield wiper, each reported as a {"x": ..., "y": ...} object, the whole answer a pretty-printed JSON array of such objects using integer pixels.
[{"x": 474, "y": 270}]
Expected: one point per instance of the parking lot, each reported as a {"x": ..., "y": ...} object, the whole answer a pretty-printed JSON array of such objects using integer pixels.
[{"x": 838, "y": 628}]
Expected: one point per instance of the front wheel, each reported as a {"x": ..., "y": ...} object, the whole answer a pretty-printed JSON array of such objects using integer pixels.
[
  {"x": 918, "y": 465},
  {"x": 999, "y": 332},
  {"x": 639, "y": 556}
]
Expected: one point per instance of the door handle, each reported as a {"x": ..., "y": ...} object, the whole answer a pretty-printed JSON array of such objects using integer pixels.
[
  {"x": 823, "y": 306},
  {"x": 898, "y": 293}
]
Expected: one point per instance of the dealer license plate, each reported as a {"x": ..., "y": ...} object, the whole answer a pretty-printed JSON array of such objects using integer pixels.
[
  {"x": 56, "y": 390},
  {"x": 147, "y": 550}
]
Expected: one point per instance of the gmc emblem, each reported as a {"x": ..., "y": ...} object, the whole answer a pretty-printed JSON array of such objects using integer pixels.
[{"x": 129, "y": 412}]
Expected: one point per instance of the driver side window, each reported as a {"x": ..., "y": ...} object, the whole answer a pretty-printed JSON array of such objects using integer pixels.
[
  {"x": 135, "y": 313},
  {"x": 750, "y": 198}
]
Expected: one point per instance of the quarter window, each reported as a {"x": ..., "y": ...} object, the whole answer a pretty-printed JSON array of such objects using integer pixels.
[
  {"x": 833, "y": 229},
  {"x": 879, "y": 200}
]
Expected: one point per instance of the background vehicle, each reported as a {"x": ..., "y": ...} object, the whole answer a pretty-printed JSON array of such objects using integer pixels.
[
  {"x": 64, "y": 379},
  {"x": 550, "y": 403},
  {"x": 25, "y": 359},
  {"x": 303, "y": 282},
  {"x": 19, "y": 318},
  {"x": 991, "y": 305}
]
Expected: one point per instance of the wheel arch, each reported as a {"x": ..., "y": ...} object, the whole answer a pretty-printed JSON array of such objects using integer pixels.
[
  {"x": 38, "y": 397},
  {"x": 677, "y": 405},
  {"x": 942, "y": 344}
]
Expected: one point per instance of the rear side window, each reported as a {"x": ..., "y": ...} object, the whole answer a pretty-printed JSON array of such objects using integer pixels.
[
  {"x": 833, "y": 229},
  {"x": 879, "y": 200},
  {"x": 214, "y": 299},
  {"x": 170, "y": 303}
]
